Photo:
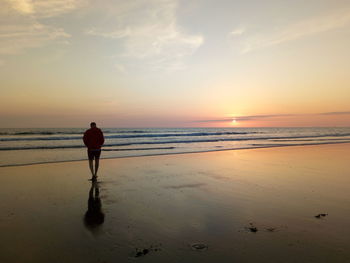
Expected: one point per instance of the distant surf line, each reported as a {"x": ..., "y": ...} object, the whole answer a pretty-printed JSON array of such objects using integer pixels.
[
  {"x": 150, "y": 135},
  {"x": 172, "y": 142}
]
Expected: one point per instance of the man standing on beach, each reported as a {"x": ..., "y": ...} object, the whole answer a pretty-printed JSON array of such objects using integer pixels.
[{"x": 93, "y": 139}]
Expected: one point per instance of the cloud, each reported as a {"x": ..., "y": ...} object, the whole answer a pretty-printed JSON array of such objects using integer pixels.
[
  {"x": 237, "y": 32},
  {"x": 120, "y": 68},
  {"x": 336, "y": 113},
  {"x": 245, "y": 118},
  {"x": 268, "y": 116},
  {"x": 21, "y": 27},
  {"x": 22, "y": 6},
  {"x": 44, "y": 8},
  {"x": 148, "y": 31},
  {"x": 18, "y": 37},
  {"x": 305, "y": 28}
]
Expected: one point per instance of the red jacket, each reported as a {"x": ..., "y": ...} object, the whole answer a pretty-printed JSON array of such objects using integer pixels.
[{"x": 93, "y": 138}]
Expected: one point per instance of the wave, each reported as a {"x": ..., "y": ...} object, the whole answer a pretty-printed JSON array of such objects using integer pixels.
[
  {"x": 139, "y": 149},
  {"x": 38, "y": 133},
  {"x": 159, "y": 135},
  {"x": 309, "y": 140},
  {"x": 164, "y": 142},
  {"x": 64, "y": 132}
]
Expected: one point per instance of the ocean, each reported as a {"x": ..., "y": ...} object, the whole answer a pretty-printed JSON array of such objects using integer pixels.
[{"x": 46, "y": 145}]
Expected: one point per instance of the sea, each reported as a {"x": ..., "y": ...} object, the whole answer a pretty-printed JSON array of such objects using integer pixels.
[{"x": 24, "y": 146}]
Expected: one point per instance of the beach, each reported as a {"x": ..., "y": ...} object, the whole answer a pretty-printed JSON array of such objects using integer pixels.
[{"x": 281, "y": 204}]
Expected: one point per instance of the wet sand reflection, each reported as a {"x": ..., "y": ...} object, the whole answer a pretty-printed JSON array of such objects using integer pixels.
[{"x": 94, "y": 216}]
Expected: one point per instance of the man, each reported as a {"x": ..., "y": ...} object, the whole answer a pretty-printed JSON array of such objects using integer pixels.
[{"x": 93, "y": 139}]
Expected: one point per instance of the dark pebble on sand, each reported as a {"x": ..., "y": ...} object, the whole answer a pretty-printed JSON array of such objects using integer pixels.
[
  {"x": 253, "y": 229},
  {"x": 144, "y": 251},
  {"x": 321, "y": 215},
  {"x": 139, "y": 254},
  {"x": 199, "y": 246}
]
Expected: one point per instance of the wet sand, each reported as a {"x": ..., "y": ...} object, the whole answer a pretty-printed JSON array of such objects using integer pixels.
[{"x": 261, "y": 205}]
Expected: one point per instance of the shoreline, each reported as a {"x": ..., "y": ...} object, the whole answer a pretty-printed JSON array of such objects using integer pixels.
[{"x": 180, "y": 153}]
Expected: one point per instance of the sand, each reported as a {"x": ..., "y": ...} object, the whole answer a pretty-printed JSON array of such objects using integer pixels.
[{"x": 232, "y": 206}]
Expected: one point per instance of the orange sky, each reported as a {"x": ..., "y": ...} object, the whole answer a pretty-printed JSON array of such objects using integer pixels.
[{"x": 164, "y": 63}]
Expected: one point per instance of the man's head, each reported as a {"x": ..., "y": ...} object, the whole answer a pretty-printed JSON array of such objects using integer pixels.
[{"x": 93, "y": 124}]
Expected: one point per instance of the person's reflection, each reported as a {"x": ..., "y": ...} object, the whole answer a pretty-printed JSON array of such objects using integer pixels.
[{"x": 94, "y": 216}]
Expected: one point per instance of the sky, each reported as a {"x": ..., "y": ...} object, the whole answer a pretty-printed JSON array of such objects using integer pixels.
[{"x": 174, "y": 63}]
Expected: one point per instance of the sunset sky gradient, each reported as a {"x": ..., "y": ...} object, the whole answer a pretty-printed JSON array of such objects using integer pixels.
[{"x": 174, "y": 63}]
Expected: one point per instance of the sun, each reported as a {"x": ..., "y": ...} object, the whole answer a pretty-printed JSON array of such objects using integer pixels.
[{"x": 233, "y": 122}]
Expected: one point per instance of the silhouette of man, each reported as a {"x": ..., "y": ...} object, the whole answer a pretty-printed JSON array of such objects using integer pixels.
[{"x": 93, "y": 139}]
